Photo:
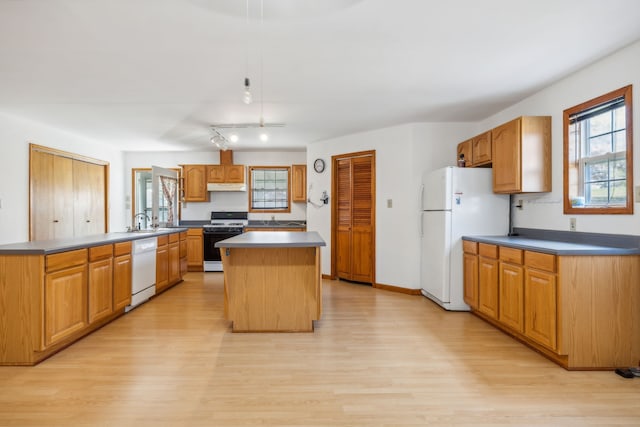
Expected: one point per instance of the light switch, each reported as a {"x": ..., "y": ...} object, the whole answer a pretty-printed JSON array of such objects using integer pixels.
[{"x": 389, "y": 203}]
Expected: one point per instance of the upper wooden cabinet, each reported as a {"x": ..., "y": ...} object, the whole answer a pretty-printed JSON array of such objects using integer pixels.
[
  {"x": 465, "y": 148},
  {"x": 481, "y": 149},
  {"x": 299, "y": 183},
  {"x": 477, "y": 150},
  {"x": 225, "y": 174},
  {"x": 195, "y": 183},
  {"x": 521, "y": 156}
]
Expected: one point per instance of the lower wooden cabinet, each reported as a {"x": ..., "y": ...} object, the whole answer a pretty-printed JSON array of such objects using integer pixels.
[
  {"x": 184, "y": 264},
  {"x": 195, "y": 249},
  {"x": 511, "y": 306},
  {"x": 122, "y": 275},
  {"x": 470, "y": 277},
  {"x": 65, "y": 307},
  {"x": 570, "y": 308},
  {"x": 168, "y": 261},
  {"x": 100, "y": 282},
  {"x": 488, "y": 288}
]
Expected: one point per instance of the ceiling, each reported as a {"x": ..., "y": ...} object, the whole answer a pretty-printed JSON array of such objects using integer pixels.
[{"x": 155, "y": 74}]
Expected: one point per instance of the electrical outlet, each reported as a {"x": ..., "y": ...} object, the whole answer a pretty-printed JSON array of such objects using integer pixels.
[
  {"x": 389, "y": 203},
  {"x": 572, "y": 224}
]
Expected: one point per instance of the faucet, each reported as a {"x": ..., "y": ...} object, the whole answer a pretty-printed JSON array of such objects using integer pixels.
[{"x": 141, "y": 214}]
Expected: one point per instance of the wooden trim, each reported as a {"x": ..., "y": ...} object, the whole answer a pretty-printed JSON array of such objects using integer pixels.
[
  {"x": 625, "y": 92},
  {"x": 398, "y": 289},
  {"x": 69, "y": 155},
  {"x": 250, "y": 186},
  {"x": 334, "y": 207}
]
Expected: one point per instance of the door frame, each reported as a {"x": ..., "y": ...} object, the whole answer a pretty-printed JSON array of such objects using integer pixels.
[{"x": 334, "y": 209}]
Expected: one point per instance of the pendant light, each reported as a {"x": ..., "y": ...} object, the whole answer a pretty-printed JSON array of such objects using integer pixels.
[{"x": 246, "y": 95}]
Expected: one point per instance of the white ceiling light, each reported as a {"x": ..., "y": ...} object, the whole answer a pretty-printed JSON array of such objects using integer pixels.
[
  {"x": 246, "y": 95},
  {"x": 233, "y": 137},
  {"x": 264, "y": 137},
  {"x": 219, "y": 140}
]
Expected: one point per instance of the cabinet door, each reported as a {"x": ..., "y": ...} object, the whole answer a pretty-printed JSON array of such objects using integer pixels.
[
  {"x": 65, "y": 303},
  {"x": 540, "y": 307},
  {"x": 506, "y": 157},
  {"x": 89, "y": 198},
  {"x": 121, "y": 281},
  {"x": 162, "y": 267},
  {"x": 195, "y": 249},
  {"x": 470, "y": 263},
  {"x": 174, "y": 263},
  {"x": 195, "y": 183},
  {"x": 51, "y": 196},
  {"x": 100, "y": 289},
  {"x": 299, "y": 183},
  {"x": 234, "y": 174},
  {"x": 466, "y": 148},
  {"x": 481, "y": 149},
  {"x": 215, "y": 173},
  {"x": 511, "y": 298},
  {"x": 488, "y": 286}
]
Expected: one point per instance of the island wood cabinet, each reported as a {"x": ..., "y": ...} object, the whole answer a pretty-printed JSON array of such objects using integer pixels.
[
  {"x": 570, "y": 308},
  {"x": 122, "y": 270},
  {"x": 195, "y": 249},
  {"x": 65, "y": 296},
  {"x": 299, "y": 183},
  {"x": 100, "y": 282},
  {"x": 521, "y": 155},
  {"x": 194, "y": 183}
]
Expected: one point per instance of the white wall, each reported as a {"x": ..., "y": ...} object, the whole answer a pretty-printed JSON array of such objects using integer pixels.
[
  {"x": 15, "y": 136},
  {"x": 403, "y": 153},
  {"x": 218, "y": 201},
  {"x": 546, "y": 210}
]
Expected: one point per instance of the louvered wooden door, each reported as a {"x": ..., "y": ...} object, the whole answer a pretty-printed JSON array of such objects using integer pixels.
[{"x": 355, "y": 218}]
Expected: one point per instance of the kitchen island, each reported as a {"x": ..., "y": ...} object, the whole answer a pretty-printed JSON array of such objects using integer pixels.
[{"x": 272, "y": 281}]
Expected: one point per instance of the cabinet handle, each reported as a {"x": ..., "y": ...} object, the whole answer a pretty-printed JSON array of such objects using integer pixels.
[
  {"x": 55, "y": 220},
  {"x": 88, "y": 220}
]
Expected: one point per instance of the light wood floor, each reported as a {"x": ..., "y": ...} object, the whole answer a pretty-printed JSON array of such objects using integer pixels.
[{"x": 376, "y": 358}]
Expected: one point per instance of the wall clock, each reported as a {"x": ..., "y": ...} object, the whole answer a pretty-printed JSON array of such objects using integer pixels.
[{"x": 318, "y": 165}]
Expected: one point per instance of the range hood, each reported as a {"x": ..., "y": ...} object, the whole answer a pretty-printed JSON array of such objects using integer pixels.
[{"x": 227, "y": 186}]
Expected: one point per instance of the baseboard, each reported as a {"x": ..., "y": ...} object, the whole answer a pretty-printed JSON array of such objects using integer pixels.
[{"x": 398, "y": 289}]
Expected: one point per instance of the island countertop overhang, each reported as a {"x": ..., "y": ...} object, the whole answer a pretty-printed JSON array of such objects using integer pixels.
[{"x": 273, "y": 239}]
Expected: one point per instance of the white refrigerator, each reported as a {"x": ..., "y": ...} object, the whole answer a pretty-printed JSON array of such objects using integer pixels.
[{"x": 455, "y": 202}]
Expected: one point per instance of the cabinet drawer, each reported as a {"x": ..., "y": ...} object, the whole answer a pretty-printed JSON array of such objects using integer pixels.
[
  {"x": 511, "y": 255},
  {"x": 469, "y": 247},
  {"x": 546, "y": 262},
  {"x": 194, "y": 232},
  {"x": 183, "y": 235},
  {"x": 68, "y": 259},
  {"x": 488, "y": 251},
  {"x": 121, "y": 248},
  {"x": 100, "y": 252},
  {"x": 163, "y": 240},
  {"x": 174, "y": 237}
]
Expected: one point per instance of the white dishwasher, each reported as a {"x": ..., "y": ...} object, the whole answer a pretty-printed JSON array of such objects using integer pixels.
[{"x": 143, "y": 277}]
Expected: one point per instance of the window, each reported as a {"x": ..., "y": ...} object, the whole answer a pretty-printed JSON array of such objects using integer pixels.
[
  {"x": 598, "y": 158},
  {"x": 269, "y": 189}
]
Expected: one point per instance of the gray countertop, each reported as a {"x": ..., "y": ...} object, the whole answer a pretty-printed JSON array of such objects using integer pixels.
[
  {"x": 553, "y": 247},
  {"x": 44, "y": 247},
  {"x": 273, "y": 239}
]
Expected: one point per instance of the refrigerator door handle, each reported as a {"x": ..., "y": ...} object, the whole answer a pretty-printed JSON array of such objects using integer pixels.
[
  {"x": 421, "y": 219},
  {"x": 422, "y": 197}
]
